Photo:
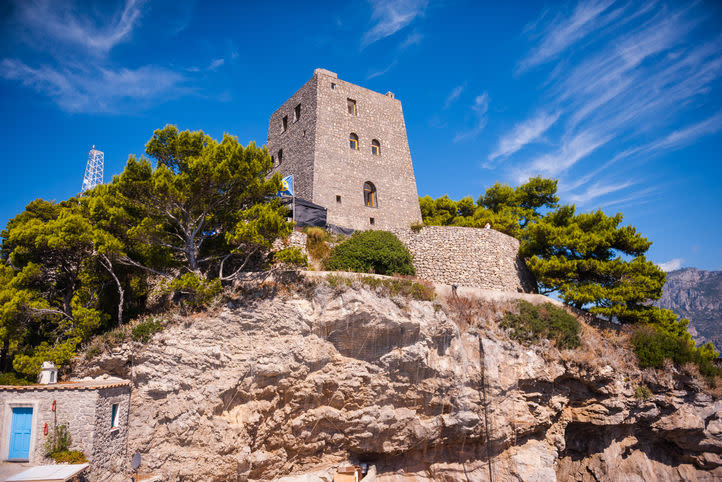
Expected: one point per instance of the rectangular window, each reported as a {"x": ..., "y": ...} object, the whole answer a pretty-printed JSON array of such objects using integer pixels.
[
  {"x": 284, "y": 125},
  {"x": 351, "y": 106},
  {"x": 333, "y": 86},
  {"x": 338, "y": 199},
  {"x": 280, "y": 156},
  {"x": 297, "y": 113},
  {"x": 371, "y": 220},
  {"x": 114, "y": 416}
]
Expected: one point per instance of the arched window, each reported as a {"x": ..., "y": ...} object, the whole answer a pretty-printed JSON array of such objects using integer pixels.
[
  {"x": 369, "y": 194},
  {"x": 375, "y": 148},
  {"x": 353, "y": 141}
]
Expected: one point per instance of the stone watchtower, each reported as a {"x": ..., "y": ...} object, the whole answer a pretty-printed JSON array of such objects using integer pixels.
[{"x": 347, "y": 149}]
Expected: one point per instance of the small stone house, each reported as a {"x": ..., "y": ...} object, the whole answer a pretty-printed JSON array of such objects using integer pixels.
[{"x": 95, "y": 412}]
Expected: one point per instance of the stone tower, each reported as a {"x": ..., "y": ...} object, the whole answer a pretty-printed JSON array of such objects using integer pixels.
[{"x": 347, "y": 149}]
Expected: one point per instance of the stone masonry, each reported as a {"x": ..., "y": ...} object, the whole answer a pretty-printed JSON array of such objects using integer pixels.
[
  {"x": 315, "y": 148},
  {"x": 85, "y": 407},
  {"x": 479, "y": 258}
]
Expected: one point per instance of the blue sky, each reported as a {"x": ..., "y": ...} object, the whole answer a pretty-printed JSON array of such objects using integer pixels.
[{"x": 621, "y": 101}]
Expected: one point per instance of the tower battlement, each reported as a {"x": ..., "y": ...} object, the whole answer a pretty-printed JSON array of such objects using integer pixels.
[{"x": 347, "y": 149}]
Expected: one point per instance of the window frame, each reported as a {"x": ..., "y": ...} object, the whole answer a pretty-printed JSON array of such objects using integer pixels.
[
  {"x": 297, "y": 113},
  {"x": 114, "y": 416},
  {"x": 279, "y": 155},
  {"x": 353, "y": 141},
  {"x": 284, "y": 124},
  {"x": 351, "y": 103},
  {"x": 375, "y": 148},
  {"x": 371, "y": 198}
]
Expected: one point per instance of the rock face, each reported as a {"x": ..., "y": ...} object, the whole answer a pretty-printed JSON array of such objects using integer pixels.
[
  {"x": 293, "y": 385},
  {"x": 696, "y": 295}
]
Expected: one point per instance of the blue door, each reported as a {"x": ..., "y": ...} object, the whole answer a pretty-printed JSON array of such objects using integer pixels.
[{"x": 20, "y": 433}]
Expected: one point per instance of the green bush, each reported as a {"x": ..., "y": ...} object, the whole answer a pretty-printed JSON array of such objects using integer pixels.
[
  {"x": 653, "y": 346},
  {"x": 59, "y": 440},
  {"x": 290, "y": 257},
  {"x": 377, "y": 252},
  {"x": 642, "y": 392},
  {"x": 145, "y": 330},
  {"x": 11, "y": 378},
  {"x": 195, "y": 291},
  {"x": 68, "y": 457},
  {"x": 317, "y": 240},
  {"x": 544, "y": 321}
]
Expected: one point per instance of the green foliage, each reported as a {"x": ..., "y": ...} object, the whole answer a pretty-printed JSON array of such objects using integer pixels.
[
  {"x": 292, "y": 257},
  {"x": 590, "y": 259},
  {"x": 506, "y": 209},
  {"x": 653, "y": 346},
  {"x": 390, "y": 286},
  {"x": 11, "y": 378},
  {"x": 544, "y": 321},
  {"x": 377, "y": 252},
  {"x": 642, "y": 392},
  {"x": 317, "y": 240},
  {"x": 68, "y": 457},
  {"x": 194, "y": 290},
  {"x": 416, "y": 227},
  {"x": 145, "y": 330},
  {"x": 60, "y": 354},
  {"x": 59, "y": 440}
]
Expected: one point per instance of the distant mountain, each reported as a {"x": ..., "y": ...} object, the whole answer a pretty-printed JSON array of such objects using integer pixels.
[{"x": 696, "y": 295}]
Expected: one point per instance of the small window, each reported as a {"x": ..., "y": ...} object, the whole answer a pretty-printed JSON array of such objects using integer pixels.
[
  {"x": 372, "y": 221},
  {"x": 351, "y": 106},
  {"x": 114, "y": 416},
  {"x": 338, "y": 199},
  {"x": 353, "y": 141},
  {"x": 273, "y": 160},
  {"x": 284, "y": 125},
  {"x": 280, "y": 156},
  {"x": 333, "y": 86},
  {"x": 375, "y": 148},
  {"x": 297, "y": 113},
  {"x": 369, "y": 195}
]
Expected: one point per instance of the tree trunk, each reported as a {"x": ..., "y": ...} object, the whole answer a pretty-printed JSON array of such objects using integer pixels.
[{"x": 121, "y": 291}]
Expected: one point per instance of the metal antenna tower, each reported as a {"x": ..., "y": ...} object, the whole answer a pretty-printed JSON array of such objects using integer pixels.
[{"x": 93, "y": 170}]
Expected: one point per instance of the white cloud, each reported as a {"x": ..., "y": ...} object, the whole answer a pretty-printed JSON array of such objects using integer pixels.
[
  {"x": 454, "y": 95},
  {"x": 379, "y": 73},
  {"x": 480, "y": 107},
  {"x": 523, "y": 133},
  {"x": 571, "y": 151},
  {"x": 390, "y": 16},
  {"x": 49, "y": 23},
  {"x": 414, "y": 38},
  {"x": 101, "y": 90},
  {"x": 597, "y": 190},
  {"x": 564, "y": 32},
  {"x": 671, "y": 265},
  {"x": 216, "y": 64}
]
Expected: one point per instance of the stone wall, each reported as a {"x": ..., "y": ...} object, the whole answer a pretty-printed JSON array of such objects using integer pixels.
[
  {"x": 85, "y": 410},
  {"x": 480, "y": 258}
]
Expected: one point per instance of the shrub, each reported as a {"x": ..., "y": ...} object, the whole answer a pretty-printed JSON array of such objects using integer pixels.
[
  {"x": 377, "y": 252},
  {"x": 642, "y": 392},
  {"x": 68, "y": 457},
  {"x": 11, "y": 378},
  {"x": 290, "y": 257},
  {"x": 653, "y": 346},
  {"x": 317, "y": 243},
  {"x": 544, "y": 321},
  {"x": 59, "y": 440},
  {"x": 145, "y": 330},
  {"x": 194, "y": 290},
  {"x": 416, "y": 227}
]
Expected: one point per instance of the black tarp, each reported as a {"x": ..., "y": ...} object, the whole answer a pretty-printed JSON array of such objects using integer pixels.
[{"x": 306, "y": 212}]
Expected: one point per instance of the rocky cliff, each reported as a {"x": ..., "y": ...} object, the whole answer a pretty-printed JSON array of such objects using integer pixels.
[
  {"x": 696, "y": 295},
  {"x": 293, "y": 383}
]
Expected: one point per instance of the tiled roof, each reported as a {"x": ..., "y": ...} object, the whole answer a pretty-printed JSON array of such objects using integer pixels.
[{"x": 69, "y": 385}]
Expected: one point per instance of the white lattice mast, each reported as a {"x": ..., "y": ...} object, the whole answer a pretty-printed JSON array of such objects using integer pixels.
[{"x": 93, "y": 170}]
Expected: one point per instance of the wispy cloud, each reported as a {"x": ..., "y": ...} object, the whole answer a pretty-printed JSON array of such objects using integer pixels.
[
  {"x": 454, "y": 95},
  {"x": 379, "y": 73},
  {"x": 559, "y": 34},
  {"x": 390, "y": 16},
  {"x": 216, "y": 64},
  {"x": 479, "y": 108},
  {"x": 49, "y": 22},
  {"x": 414, "y": 38},
  {"x": 671, "y": 265},
  {"x": 524, "y": 133},
  {"x": 97, "y": 91},
  {"x": 621, "y": 76}
]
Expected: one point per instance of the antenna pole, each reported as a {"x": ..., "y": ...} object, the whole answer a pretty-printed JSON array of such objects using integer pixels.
[{"x": 93, "y": 170}]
